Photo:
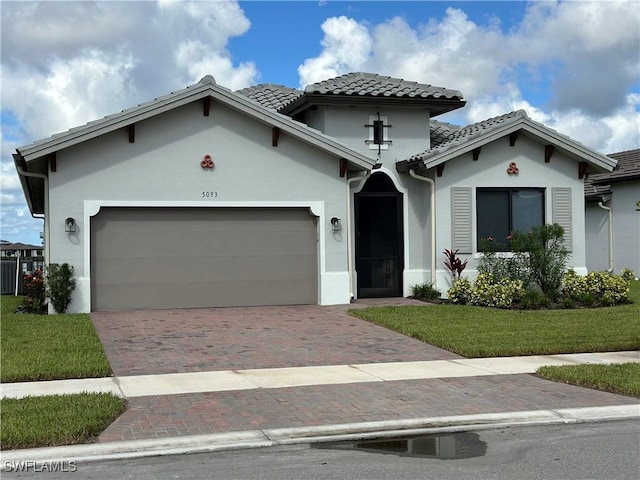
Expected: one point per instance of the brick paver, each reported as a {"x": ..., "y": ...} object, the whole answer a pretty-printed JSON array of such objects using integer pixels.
[
  {"x": 172, "y": 341},
  {"x": 222, "y": 412},
  {"x": 192, "y": 340}
]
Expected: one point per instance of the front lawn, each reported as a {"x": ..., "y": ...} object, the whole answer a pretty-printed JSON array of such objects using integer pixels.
[
  {"x": 57, "y": 419},
  {"x": 621, "y": 378},
  {"x": 490, "y": 332},
  {"x": 48, "y": 347}
]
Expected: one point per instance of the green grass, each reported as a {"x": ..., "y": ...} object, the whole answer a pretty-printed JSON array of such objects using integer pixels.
[
  {"x": 48, "y": 347},
  {"x": 57, "y": 419},
  {"x": 488, "y": 332},
  {"x": 621, "y": 378}
]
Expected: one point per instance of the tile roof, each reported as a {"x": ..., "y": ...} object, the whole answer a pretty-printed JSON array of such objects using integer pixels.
[
  {"x": 271, "y": 95},
  {"x": 439, "y": 132},
  {"x": 452, "y": 138},
  {"x": 371, "y": 84},
  {"x": 628, "y": 168}
]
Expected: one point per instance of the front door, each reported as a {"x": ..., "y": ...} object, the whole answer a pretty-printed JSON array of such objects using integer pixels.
[{"x": 379, "y": 254}]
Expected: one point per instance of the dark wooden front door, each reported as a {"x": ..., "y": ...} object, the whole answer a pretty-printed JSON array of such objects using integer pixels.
[{"x": 379, "y": 253}]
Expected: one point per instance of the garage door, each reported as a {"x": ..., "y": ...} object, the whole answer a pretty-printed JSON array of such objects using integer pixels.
[{"x": 202, "y": 257}]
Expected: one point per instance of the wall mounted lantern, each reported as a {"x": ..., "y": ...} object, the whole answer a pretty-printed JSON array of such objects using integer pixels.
[
  {"x": 336, "y": 226},
  {"x": 70, "y": 225}
]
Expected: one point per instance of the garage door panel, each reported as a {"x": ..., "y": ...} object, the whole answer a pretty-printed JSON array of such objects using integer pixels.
[
  {"x": 184, "y": 269},
  {"x": 173, "y": 258}
]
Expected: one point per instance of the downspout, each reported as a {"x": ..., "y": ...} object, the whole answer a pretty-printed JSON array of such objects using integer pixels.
[
  {"x": 350, "y": 265},
  {"x": 610, "y": 215},
  {"x": 45, "y": 218},
  {"x": 432, "y": 207}
]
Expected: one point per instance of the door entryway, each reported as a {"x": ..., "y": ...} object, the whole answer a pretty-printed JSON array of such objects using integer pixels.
[{"x": 379, "y": 252}]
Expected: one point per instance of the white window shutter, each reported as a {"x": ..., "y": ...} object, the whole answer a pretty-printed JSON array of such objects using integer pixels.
[
  {"x": 561, "y": 213},
  {"x": 461, "y": 212}
]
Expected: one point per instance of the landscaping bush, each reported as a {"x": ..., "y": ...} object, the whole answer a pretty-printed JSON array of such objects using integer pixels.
[
  {"x": 34, "y": 300},
  {"x": 460, "y": 292},
  {"x": 595, "y": 289},
  {"x": 60, "y": 285},
  {"x": 425, "y": 292},
  {"x": 490, "y": 293},
  {"x": 538, "y": 258}
]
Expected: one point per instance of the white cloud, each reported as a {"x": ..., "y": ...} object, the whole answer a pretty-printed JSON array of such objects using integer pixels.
[
  {"x": 347, "y": 45},
  {"x": 586, "y": 54}
]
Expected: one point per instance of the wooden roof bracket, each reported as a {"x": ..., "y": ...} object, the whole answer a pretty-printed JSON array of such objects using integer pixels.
[
  {"x": 206, "y": 106},
  {"x": 132, "y": 133},
  {"x": 52, "y": 162},
  {"x": 440, "y": 169},
  {"x": 476, "y": 153},
  {"x": 512, "y": 139},
  {"x": 343, "y": 167},
  {"x": 582, "y": 170},
  {"x": 275, "y": 136},
  {"x": 548, "y": 152}
]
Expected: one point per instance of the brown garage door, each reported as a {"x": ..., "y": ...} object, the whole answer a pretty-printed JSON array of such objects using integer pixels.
[{"x": 202, "y": 257}]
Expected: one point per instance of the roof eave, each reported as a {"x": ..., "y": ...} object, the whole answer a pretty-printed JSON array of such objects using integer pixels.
[
  {"x": 533, "y": 128},
  {"x": 437, "y": 106}
]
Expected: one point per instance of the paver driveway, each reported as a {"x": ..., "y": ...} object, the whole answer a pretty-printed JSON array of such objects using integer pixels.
[{"x": 191, "y": 340}]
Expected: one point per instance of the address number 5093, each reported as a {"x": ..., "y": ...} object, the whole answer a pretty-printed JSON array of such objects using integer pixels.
[{"x": 209, "y": 194}]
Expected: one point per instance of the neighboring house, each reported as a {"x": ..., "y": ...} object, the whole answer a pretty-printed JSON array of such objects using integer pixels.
[
  {"x": 9, "y": 249},
  {"x": 613, "y": 215},
  {"x": 272, "y": 195}
]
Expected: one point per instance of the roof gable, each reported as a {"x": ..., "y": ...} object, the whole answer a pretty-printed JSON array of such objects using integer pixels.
[
  {"x": 206, "y": 88},
  {"x": 457, "y": 142}
]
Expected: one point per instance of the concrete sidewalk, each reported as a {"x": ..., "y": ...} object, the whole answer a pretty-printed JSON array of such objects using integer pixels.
[
  {"x": 233, "y": 380},
  {"x": 377, "y": 393}
]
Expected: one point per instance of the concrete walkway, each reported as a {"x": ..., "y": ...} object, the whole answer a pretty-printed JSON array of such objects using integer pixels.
[{"x": 233, "y": 380}]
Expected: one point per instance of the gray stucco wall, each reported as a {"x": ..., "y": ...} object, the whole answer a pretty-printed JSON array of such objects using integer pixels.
[
  {"x": 490, "y": 170},
  {"x": 163, "y": 167},
  {"x": 626, "y": 225}
]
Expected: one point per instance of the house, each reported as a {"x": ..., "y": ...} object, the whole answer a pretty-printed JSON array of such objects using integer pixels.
[
  {"x": 613, "y": 215},
  {"x": 273, "y": 195},
  {"x": 9, "y": 249}
]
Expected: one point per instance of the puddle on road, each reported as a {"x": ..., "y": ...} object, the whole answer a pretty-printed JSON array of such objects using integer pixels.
[{"x": 445, "y": 446}]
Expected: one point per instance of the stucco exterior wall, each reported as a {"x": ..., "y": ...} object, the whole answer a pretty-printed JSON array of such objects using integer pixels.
[
  {"x": 626, "y": 226},
  {"x": 490, "y": 170},
  {"x": 597, "y": 237},
  {"x": 163, "y": 168},
  {"x": 409, "y": 133}
]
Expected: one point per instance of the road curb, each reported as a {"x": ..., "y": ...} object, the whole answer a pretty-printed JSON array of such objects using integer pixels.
[{"x": 323, "y": 433}]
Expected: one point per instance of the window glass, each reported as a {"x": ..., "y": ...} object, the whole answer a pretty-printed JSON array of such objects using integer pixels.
[
  {"x": 501, "y": 211},
  {"x": 527, "y": 209},
  {"x": 493, "y": 214}
]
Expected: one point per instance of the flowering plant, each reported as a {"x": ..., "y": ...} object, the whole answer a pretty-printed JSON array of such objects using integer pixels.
[{"x": 34, "y": 291}]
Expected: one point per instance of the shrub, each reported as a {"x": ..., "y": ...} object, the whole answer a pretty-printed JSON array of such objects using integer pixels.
[
  {"x": 628, "y": 274},
  {"x": 425, "y": 291},
  {"x": 502, "y": 266},
  {"x": 595, "y": 289},
  {"x": 501, "y": 294},
  {"x": 544, "y": 256},
  {"x": 34, "y": 300},
  {"x": 60, "y": 285},
  {"x": 533, "y": 299},
  {"x": 460, "y": 292}
]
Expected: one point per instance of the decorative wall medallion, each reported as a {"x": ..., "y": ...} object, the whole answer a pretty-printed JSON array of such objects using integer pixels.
[
  {"x": 513, "y": 169},
  {"x": 207, "y": 162}
]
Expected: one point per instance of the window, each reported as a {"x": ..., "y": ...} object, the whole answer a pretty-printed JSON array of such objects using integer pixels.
[
  {"x": 378, "y": 133},
  {"x": 501, "y": 211}
]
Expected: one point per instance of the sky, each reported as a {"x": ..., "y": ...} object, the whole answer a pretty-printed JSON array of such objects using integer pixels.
[{"x": 572, "y": 65}]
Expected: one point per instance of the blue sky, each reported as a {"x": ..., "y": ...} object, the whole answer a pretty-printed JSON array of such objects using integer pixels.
[{"x": 574, "y": 65}]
